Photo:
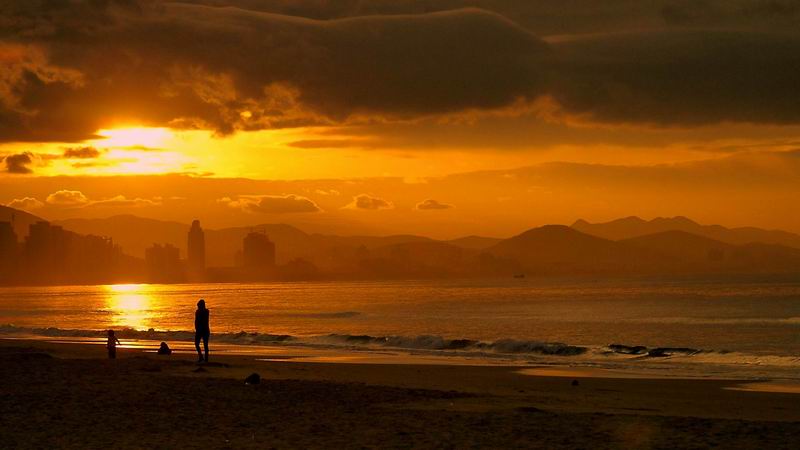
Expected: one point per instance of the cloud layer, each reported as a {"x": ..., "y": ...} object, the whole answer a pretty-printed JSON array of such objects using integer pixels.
[{"x": 69, "y": 68}]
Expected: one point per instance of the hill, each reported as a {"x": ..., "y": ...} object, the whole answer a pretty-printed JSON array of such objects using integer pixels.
[
  {"x": 630, "y": 227},
  {"x": 474, "y": 242},
  {"x": 558, "y": 249},
  {"x": 691, "y": 253}
]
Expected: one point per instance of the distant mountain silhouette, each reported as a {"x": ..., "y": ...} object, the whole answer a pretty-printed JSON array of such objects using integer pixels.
[
  {"x": 564, "y": 250},
  {"x": 633, "y": 226},
  {"x": 420, "y": 259},
  {"x": 22, "y": 220},
  {"x": 682, "y": 246},
  {"x": 557, "y": 249},
  {"x": 693, "y": 253},
  {"x": 542, "y": 251},
  {"x": 474, "y": 242}
]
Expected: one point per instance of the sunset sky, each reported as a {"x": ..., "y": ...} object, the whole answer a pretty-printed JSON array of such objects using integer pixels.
[{"x": 437, "y": 117}]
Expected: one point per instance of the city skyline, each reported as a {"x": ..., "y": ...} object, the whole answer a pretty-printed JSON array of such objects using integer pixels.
[{"x": 164, "y": 252}]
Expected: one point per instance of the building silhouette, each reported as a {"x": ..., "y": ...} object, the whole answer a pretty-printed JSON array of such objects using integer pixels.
[
  {"x": 258, "y": 252},
  {"x": 9, "y": 252},
  {"x": 8, "y": 239},
  {"x": 46, "y": 252},
  {"x": 196, "y": 252},
  {"x": 163, "y": 263},
  {"x": 52, "y": 255}
]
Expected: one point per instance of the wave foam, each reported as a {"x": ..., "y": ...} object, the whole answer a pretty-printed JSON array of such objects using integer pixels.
[{"x": 422, "y": 342}]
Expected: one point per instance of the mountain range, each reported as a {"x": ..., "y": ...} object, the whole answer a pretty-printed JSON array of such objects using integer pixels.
[{"x": 631, "y": 227}]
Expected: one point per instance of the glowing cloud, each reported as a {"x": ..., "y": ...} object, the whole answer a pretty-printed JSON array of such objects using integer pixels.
[
  {"x": 272, "y": 204},
  {"x": 25, "y": 203},
  {"x": 67, "y": 198}
]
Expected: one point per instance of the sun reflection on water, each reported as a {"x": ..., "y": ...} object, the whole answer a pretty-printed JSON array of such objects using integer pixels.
[{"x": 131, "y": 305}]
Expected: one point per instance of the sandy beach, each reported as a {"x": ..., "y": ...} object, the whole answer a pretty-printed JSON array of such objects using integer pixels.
[{"x": 58, "y": 395}]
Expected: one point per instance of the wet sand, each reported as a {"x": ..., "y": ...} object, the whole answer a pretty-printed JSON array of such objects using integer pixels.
[{"x": 56, "y": 395}]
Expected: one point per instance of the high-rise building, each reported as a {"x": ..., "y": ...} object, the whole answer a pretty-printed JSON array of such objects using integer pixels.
[
  {"x": 258, "y": 251},
  {"x": 196, "y": 250}
]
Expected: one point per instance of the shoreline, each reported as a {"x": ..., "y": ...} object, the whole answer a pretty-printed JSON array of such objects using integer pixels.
[
  {"x": 69, "y": 395},
  {"x": 594, "y": 363}
]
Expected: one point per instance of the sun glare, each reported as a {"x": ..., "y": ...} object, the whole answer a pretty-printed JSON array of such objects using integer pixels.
[
  {"x": 134, "y": 137},
  {"x": 130, "y": 304}
]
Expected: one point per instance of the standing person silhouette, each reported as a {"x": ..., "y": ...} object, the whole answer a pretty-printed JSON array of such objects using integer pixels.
[
  {"x": 111, "y": 344},
  {"x": 201, "y": 330}
]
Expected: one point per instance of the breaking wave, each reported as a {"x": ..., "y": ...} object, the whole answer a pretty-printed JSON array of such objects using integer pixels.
[
  {"x": 423, "y": 342},
  {"x": 655, "y": 352}
]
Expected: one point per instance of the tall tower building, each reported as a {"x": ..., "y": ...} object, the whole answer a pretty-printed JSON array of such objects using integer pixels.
[{"x": 196, "y": 255}]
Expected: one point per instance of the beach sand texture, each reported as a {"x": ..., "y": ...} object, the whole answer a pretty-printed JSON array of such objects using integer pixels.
[{"x": 68, "y": 396}]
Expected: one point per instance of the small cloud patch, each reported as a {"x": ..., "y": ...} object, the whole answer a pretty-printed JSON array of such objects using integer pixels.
[
  {"x": 369, "y": 203},
  {"x": 432, "y": 205},
  {"x": 81, "y": 153},
  {"x": 272, "y": 204},
  {"x": 67, "y": 198}
]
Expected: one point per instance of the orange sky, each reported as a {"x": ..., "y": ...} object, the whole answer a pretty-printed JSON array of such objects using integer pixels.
[{"x": 397, "y": 117}]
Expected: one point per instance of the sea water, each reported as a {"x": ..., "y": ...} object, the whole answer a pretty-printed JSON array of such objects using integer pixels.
[{"x": 746, "y": 324}]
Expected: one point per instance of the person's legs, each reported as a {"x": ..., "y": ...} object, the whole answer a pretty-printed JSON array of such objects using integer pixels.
[
  {"x": 197, "y": 346},
  {"x": 205, "y": 344}
]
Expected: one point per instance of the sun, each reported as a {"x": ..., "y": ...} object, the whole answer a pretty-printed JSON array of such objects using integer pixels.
[{"x": 134, "y": 137}]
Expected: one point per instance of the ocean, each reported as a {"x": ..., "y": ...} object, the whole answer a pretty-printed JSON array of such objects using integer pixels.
[{"x": 705, "y": 327}]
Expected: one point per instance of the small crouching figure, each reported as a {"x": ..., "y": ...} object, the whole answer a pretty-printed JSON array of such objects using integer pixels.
[
  {"x": 112, "y": 345},
  {"x": 164, "y": 349}
]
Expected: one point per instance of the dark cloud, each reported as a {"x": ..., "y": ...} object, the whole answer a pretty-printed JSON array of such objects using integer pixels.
[
  {"x": 19, "y": 163},
  {"x": 368, "y": 202},
  {"x": 272, "y": 204},
  {"x": 81, "y": 153},
  {"x": 681, "y": 77},
  {"x": 71, "y": 67},
  {"x": 432, "y": 205},
  {"x": 254, "y": 70}
]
